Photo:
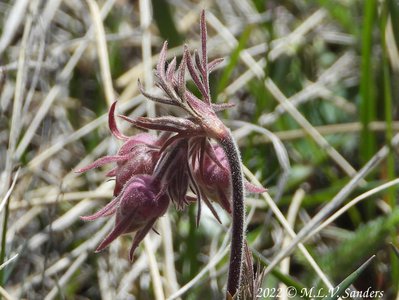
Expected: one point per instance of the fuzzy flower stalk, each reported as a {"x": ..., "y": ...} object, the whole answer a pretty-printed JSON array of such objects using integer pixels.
[{"x": 194, "y": 159}]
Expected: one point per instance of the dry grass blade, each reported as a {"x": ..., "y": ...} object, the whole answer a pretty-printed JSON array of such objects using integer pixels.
[
  {"x": 83, "y": 131},
  {"x": 297, "y": 36},
  {"x": 291, "y": 216},
  {"x": 392, "y": 47},
  {"x": 279, "y": 149},
  {"x": 49, "y": 12},
  {"x": 8, "y": 194},
  {"x": 67, "y": 197},
  {"x": 342, "y": 68},
  {"x": 335, "y": 202},
  {"x": 344, "y": 128},
  {"x": 67, "y": 276},
  {"x": 232, "y": 42},
  {"x": 12, "y": 23},
  {"x": 145, "y": 22},
  {"x": 56, "y": 89},
  {"x": 17, "y": 106},
  {"x": 155, "y": 274},
  {"x": 102, "y": 52},
  {"x": 316, "y": 136},
  {"x": 167, "y": 240},
  {"x": 3, "y": 265},
  {"x": 107, "y": 291},
  {"x": 287, "y": 227},
  {"x": 222, "y": 252},
  {"x": 5, "y": 294},
  {"x": 139, "y": 266},
  {"x": 289, "y": 86},
  {"x": 278, "y": 48},
  {"x": 352, "y": 203},
  {"x": 65, "y": 262}
]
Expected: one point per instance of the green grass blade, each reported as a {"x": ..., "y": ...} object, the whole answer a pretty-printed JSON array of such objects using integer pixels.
[
  {"x": 387, "y": 103},
  {"x": 284, "y": 278},
  {"x": 388, "y": 111},
  {"x": 340, "y": 12},
  {"x": 364, "y": 242},
  {"x": 367, "y": 87},
  {"x": 166, "y": 25},
  {"x": 395, "y": 250},
  {"x": 393, "y": 8},
  {"x": 340, "y": 288},
  {"x": 234, "y": 57}
]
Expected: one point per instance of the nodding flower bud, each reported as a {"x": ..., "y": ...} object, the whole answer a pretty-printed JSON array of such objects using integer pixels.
[
  {"x": 140, "y": 203},
  {"x": 213, "y": 177},
  {"x": 152, "y": 171},
  {"x": 138, "y": 155},
  {"x": 141, "y": 152}
]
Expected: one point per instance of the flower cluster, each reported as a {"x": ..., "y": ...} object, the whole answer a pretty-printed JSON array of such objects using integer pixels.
[{"x": 181, "y": 165}]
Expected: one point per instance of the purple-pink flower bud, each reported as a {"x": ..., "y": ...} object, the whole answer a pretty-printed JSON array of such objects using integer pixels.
[
  {"x": 138, "y": 155},
  {"x": 141, "y": 155},
  {"x": 140, "y": 203},
  {"x": 214, "y": 178}
]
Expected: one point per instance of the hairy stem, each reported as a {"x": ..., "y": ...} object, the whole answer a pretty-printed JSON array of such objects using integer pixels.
[{"x": 237, "y": 238}]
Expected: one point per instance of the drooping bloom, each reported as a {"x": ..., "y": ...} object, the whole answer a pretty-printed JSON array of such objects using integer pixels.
[
  {"x": 182, "y": 161},
  {"x": 140, "y": 203},
  {"x": 138, "y": 155},
  {"x": 213, "y": 178}
]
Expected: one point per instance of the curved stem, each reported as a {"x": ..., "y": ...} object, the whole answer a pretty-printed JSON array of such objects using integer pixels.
[{"x": 237, "y": 239}]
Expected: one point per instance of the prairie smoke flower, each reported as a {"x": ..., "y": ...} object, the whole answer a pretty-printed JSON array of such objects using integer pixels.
[
  {"x": 219, "y": 178},
  {"x": 153, "y": 171},
  {"x": 136, "y": 208},
  {"x": 138, "y": 155},
  {"x": 213, "y": 176}
]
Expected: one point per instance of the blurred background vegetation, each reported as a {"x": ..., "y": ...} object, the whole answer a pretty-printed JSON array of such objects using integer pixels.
[{"x": 314, "y": 84}]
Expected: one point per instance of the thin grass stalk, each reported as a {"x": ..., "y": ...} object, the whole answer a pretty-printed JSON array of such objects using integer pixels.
[
  {"x": 387, "y": 103},
  {"x": 56, "y": 89},
  {"x": 102, "y": 51},
  {"x": 154, "y": 270},
  {"x": 145, "y": 22},
  {"x": 310, "y": 130},
  {"x": 290, "y": 231},
  {"x": 342, "y": 210},
  {"x": 192, "y": 245},
  {"x": 291, "y": 217},
  {"x": 170, "y": 271},
  {"x": 284, "y": 278},
  {"x": 3, "y": 265},
  {"x": 14, "y": 134},
  {"x": 5, "y": 294},
  {"x": 367, "y": 103},
  {"x": 4, "y": 240},
  {"x": 303, "y": 234},
  {"x": 66, "y": 277},
  {"x": 388, "y": 135},
  {"x": 221, "y": 253}
]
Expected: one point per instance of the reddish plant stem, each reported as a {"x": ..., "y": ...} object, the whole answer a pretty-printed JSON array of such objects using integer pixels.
[{"x": 237, "y": 235}]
